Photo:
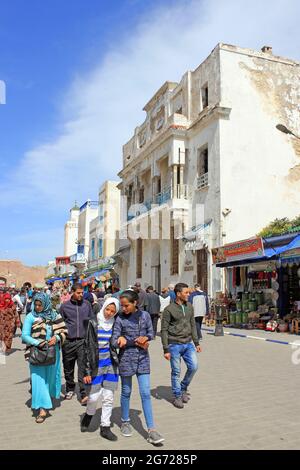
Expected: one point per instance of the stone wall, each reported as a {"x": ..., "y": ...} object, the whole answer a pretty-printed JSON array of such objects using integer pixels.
[{"x": 14, "y": 272}]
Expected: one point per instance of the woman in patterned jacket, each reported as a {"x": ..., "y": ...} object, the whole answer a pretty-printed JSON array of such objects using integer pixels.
[{"x": 44, "y": 325}]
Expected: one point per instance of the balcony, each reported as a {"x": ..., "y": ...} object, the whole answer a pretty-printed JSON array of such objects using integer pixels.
[
  {"x": 202, "y": 181},
  {"x": 78, "y": 260},
  {"x": 170, "y": 193},
  {"x": 91, "y": 204}
]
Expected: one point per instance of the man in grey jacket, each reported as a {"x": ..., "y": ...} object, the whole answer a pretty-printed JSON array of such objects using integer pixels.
[
  {"x": 76, "y": 313},
  {"x": 178, "y": 333}
]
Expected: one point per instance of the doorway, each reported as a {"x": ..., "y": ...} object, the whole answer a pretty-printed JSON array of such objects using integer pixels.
[{"x": 202, "y": 270}]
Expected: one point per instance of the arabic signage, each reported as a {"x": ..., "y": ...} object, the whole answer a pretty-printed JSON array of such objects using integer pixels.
[
  {"x": 238, "y": 251},
  {"x": 291, "y": 253}
]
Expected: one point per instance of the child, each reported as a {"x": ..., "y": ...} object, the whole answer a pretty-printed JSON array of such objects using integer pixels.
[{"x": 101, "y": 369}]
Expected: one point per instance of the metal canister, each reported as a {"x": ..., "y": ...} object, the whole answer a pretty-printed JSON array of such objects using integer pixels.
[
  {"x": 232, "y": 316},
  {"x": 253, "y": 305}
]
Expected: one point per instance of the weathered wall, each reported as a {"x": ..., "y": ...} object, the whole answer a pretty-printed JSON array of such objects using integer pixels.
[
  {"x": 260, "y": 166},
  {"x": 16, "y": 273}
]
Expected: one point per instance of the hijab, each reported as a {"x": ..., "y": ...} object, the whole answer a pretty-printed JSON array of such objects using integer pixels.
[
  {"x": 48, "y": 313},
  {"x": 7, "y": 301},
  {"x": 102, "y": 321}
]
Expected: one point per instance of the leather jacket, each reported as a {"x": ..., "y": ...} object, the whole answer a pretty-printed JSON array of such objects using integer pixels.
[{"x": 91, "y": 349}]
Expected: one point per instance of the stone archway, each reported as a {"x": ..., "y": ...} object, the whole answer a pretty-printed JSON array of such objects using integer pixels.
[{"x": 3, "y": 282}]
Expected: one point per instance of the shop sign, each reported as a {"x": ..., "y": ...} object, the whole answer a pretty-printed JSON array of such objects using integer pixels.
[
  {"x": 291, "y": 253},
  {"x": 194, "y": 245},
  {"x": 237, "y": 251}
]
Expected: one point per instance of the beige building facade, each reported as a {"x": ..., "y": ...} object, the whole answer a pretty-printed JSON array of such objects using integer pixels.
[{"x": 208, "y": 166}]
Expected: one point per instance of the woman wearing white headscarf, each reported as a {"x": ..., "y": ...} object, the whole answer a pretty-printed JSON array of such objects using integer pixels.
[{"x": 101, "y": 367}]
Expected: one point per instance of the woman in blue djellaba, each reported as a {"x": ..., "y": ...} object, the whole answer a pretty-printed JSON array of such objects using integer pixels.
[{"x": 44, "y": 325}]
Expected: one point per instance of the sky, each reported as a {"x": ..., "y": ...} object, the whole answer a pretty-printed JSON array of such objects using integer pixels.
[{"x": 77, "y": 76}]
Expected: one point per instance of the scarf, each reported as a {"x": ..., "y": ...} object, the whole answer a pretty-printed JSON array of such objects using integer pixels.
[
  {"x": 48, "y": 314},
  {"x": 102, "y": 321},
  {"x": 7, "y": 301}
]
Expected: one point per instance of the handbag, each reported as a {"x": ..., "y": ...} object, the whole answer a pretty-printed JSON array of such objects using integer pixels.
[{"x": 42, "y": 356}]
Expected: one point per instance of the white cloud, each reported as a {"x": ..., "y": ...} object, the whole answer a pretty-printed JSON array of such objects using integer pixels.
[{"x": 102, "y": 107}]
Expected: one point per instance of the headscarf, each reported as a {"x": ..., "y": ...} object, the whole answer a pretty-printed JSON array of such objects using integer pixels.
[
  {"x": 2, "y": 304},
  {"x": 102, "y": 321},
  {"x": 7, "y": 301},
  {"x": 48, "y": 313}
]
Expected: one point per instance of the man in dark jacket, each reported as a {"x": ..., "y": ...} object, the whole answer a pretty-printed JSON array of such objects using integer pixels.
[
  {"x": 143, "y": 298},
  {"x": 153, "y": 307},
  {"x": 76, "y": 313},
  {"x": 178, "y": 333}
]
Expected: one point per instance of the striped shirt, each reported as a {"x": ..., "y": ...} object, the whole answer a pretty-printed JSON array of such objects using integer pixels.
[{"x": 107, "y": 376}]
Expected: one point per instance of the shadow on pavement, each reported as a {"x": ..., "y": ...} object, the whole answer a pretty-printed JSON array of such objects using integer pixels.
[
  {"x": 23, "y": 381},
  {"x": 162, "y": 393},
  {"x": 116, "y": 419}
]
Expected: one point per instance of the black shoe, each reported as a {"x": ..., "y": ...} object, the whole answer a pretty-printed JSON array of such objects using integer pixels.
[
  {"x": 106, "y": 433},
  {"x": 85, "y": 422}
]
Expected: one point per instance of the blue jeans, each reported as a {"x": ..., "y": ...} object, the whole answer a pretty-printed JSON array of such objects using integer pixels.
[
  {"x": 188, "y": 353},
  {"x": 144, "y": 387}
]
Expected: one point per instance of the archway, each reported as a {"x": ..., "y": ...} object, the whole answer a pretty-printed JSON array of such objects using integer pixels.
[{"x": 3, "y": 282}]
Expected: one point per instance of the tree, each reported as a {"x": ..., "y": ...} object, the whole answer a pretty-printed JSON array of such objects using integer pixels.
[{"x": 277, "y": 227}]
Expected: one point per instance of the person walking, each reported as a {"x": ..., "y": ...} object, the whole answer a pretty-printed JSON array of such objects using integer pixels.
[
  {"x": 76, "y": 312},
  {"x": 199, "y": 300},
  {"x": 143, "y": 298},
  {"x": 44, "y": 325},
  {"x": 19, "y": 306},
  {"x": 101, "y": 367},
  {"x": 178, "y": 333},
  {"x": 153, "y": 303},
  {"x": 9, "y": 321},
  {"x": 132, "y": 333},
  {"x": 171, "y": 293}
]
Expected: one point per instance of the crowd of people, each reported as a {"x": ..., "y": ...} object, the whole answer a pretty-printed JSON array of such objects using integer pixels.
[{"x": 107, "y": 335}]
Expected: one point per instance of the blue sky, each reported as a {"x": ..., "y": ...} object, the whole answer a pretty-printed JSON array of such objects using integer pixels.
[{"x": 77, "y": 76}]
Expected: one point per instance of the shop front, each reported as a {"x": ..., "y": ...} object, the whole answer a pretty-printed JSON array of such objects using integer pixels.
[{"x": 251, "y": 282}]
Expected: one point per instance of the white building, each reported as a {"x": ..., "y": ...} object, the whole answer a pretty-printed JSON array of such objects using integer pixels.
[
  {"x": 105, "y": 227},
  {"x": 87, "y": 212},
  {"x": 71, "y": 232},
  {"x": 210, "y": 142}
]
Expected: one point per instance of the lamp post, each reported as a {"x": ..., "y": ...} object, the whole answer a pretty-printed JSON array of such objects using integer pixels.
[{"x": 285, "y": 130}]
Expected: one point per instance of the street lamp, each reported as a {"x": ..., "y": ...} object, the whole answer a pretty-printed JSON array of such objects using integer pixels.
[{"x": 285, "y": 130}]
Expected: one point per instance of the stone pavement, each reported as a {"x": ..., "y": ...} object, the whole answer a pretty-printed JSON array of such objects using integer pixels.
[{"x": 244, "y": 396}]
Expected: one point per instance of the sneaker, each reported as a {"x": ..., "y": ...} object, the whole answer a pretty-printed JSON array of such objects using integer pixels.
[
  {"x": 178, "y": 403},
  {"x": 85, "y": 422},
  {"x": 155, "y": 438},
  {"x": 185, "y": 397},
  {"x": 106, "y": 433},
  {"x": 69, "y": 395},
  {"x": 126, "y": 429}
]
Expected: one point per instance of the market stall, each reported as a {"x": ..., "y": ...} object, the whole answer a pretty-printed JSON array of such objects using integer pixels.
[{"x": 262, "y": 283}]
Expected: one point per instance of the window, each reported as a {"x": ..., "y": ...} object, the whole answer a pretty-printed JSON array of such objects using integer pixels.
[
  {"x": 101, "y": 214},
  {"x": 202, "y": 161},
  {"x": 139, "y": 258},
  {"x": 93, "y": 249},
  {"x": 141, "y": 195},
  {"x": 100, "y": 248},
  {"x": 204, "y": 96},
  {"x": 174, "y": 252}
]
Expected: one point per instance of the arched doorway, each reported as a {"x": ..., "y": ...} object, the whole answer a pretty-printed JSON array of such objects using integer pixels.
[{"x": 3, "y": 282}]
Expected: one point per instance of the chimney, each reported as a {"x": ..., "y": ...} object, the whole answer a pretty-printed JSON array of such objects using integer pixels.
[{"x": 267, "y": 49}]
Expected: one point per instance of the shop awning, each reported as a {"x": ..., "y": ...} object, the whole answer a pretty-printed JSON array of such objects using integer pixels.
[
  {"x": 269, "y": 253},
  {"x": 92, "y": 276},
  {"x": 286, "y": 252},
  {"x": 291, "y": 252}
]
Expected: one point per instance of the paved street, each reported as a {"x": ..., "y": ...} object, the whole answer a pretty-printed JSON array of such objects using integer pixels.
[{"x": 245, "y": 396}]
